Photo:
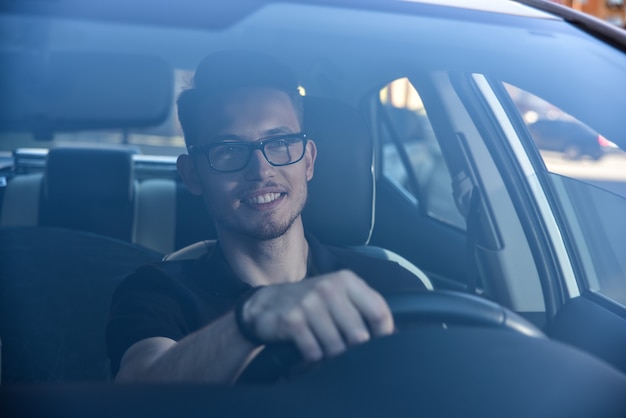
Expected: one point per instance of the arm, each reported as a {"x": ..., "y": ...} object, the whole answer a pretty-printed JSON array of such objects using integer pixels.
[
  {"x": 322, "y": 316},
  {"x": 216, "y": 353}
]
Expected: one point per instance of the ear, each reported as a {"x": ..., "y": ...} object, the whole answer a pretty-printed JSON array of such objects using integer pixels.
[
  {"x": 309, "y": 158},
  {"x": 187, "y": 172}
]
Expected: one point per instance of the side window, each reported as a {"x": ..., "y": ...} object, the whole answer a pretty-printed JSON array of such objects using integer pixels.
[
  {"x": 411, "y": 157},
  {"x": 589, "y": 179}
]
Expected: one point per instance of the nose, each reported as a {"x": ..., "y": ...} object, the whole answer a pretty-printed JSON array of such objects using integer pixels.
[{"x": 258, "y": 167}]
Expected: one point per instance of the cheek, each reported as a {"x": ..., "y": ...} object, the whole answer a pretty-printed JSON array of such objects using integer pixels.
[
  {"x": 212, "y": 183},
  {"x": 215, "y": 189},
  {"x": 219, "y": 190},
  {"x": 218, "y": 199}
]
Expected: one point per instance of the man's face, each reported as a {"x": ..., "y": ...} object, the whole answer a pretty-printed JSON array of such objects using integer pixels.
[{"x": 260, "y": 201}]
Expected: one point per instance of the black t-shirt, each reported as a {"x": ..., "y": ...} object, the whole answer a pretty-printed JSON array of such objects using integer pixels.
[{"x": 175, "y": 298}]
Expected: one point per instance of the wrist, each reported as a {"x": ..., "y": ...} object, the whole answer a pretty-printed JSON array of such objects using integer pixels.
[{"x": 244, "y": 327}]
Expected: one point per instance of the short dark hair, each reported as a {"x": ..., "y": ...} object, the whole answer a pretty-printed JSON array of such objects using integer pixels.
[{"x": 225, "y": 71}]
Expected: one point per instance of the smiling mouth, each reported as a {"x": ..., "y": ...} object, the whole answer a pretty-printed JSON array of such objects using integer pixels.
[{"x": 263, "y": 198}]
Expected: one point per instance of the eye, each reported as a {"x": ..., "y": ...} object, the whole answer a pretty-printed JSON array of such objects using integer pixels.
[
  {"x": 282, "y": 144},
  {"x": 228, "y": 151},
  {"x": 278, "y": 144}
]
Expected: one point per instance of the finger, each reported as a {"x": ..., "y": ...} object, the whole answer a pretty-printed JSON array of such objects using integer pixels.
[
  {"x": 351, "y": 325},
  {"x": 294, "y": 326},
  {"x": 308, "y": 346},
  {"x": 347, "y": 317},
  {"x": 324, "y": 326},
  {"x": 372, "y": 306}
]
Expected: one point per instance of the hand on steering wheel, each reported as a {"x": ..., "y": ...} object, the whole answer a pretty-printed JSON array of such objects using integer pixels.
[
  {"x": 446, "y": 307},
  {"x": 322, "y": 316}
]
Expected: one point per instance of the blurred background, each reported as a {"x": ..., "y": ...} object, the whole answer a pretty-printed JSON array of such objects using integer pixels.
[{"x": 612, "y": 11}]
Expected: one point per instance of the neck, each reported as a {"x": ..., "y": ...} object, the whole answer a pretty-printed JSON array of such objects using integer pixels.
[{"x": 266, "y": 262}]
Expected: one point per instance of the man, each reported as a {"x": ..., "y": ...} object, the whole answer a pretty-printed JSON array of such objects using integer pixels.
[{"x": 265, "y": 282}]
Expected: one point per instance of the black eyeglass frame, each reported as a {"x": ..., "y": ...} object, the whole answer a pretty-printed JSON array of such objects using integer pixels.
[{"x": 205, "y": 149}]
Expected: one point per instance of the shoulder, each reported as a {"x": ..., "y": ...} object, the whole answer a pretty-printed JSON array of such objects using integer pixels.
[
  {"x": 161, "y": 271},
  {"x": 166, "y": 277}
]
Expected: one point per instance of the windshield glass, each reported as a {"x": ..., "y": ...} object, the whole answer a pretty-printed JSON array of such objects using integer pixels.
[
  {"x": 554, "y": 74},
  {"x": 502, "y": 47}
]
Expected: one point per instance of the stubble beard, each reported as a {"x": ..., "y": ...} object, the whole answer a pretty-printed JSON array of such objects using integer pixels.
[{"x": 267, "y": 227}]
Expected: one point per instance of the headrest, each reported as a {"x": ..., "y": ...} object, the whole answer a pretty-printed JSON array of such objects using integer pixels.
[
  {"x": 340, "y": 207},
  {"x": 91, "y": 173}
]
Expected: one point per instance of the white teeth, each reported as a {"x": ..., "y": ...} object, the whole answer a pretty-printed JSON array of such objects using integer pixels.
[{"x": 264, "y": 198}]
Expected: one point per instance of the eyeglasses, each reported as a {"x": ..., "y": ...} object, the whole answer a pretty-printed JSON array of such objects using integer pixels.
[{"x": 234, "y": 156}]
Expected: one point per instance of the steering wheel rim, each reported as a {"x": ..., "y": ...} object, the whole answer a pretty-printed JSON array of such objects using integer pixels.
[
  {"x": 446, "y": 307},
  {"x": 457, "y": 308}
]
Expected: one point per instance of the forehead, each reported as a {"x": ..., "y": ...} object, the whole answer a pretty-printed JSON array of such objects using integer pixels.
[{"x": 250, "y": 114}]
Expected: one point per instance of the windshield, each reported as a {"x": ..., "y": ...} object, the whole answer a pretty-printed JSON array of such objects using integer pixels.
[
  {"x": 553, "y": 73},
  {"x": 514, "y": 53}
]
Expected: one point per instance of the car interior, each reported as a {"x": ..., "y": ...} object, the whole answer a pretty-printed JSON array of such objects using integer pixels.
[
  {"x": 91, "y": 195},
  {"x": 424, "y": 158}
]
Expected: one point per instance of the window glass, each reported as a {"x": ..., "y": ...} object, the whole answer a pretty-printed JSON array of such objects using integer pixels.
[
  {"x": 411, "y": 155},
  {"x": 588, "y": 172}
]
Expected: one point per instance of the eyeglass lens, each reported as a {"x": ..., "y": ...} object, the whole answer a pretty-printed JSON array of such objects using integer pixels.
[{"x": 278, "y": 151}]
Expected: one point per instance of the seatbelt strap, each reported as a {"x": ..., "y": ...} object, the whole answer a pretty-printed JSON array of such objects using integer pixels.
[
  {"x": 467, "y": 199},
  {"x": 472, "y": 222}
]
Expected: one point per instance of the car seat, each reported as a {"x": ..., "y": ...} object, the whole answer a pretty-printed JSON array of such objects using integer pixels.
[
  {"x": 87, "y": 189},
  {"x": 55, "y": 291},
  {"x": 168, "y": 216},
  {"x": 340, "y": 206}
]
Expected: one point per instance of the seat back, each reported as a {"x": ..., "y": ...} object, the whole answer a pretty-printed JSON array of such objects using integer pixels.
[
  {"x": 89, "y": 189},
  {"x": 93, "y": 190},
  {"x": 55, "y": 292},
  {"x": 169, "y": 217},
  {"x": 340, "y": 206},
  {"x": 339, "y": 210}
]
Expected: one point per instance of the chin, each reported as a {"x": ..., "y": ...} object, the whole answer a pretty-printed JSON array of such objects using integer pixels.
[
  {"x": 269, "y": 232},
  {"x": 268, "y": 229}
]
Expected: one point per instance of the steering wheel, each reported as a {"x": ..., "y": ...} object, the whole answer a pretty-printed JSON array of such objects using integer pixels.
[{"x": 445, "y": 307}]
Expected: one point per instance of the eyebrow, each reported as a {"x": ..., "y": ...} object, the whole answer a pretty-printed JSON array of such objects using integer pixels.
[{"x": 269, "y": 133}]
